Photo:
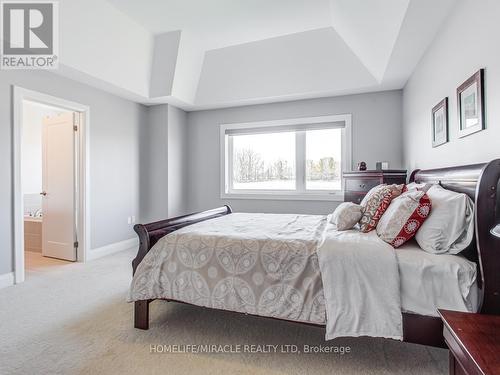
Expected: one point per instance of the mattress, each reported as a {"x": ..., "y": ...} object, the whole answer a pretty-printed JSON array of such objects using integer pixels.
[
  {"x": 266, "y": 264},
  {"x": 436, "y": 281}
]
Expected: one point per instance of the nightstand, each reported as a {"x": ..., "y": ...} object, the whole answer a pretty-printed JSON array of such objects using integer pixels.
[
  {"x": 474, "y": 342},
  {"x": 358, "y": 183}
]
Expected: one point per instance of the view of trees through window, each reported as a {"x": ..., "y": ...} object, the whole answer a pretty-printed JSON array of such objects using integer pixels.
[
  {"x": 267, "y": 161},
  {"x": 323, "y": 159},
  {"x": 264, "y": 161}
]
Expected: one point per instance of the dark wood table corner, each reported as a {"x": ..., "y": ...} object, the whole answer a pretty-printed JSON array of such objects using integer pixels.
[{"x": 473, "y": 341}]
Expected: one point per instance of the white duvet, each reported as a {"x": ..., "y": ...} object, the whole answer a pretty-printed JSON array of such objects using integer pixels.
[{"x": 361, "y": 285}]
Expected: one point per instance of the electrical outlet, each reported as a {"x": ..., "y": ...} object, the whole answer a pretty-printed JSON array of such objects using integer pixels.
[
  {"x": 133, "y": 219},
  {"x": 129, "y": 220}
]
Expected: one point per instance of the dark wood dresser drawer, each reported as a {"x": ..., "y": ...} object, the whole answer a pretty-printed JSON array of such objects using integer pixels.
[
  {"x": 358, "y": 183},
  {"x": 361, "y": 184}
]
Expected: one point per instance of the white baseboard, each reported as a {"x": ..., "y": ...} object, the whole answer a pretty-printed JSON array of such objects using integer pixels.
[
  {"x": 112, "y": 248},
  {"x": 6, "y": 279}
]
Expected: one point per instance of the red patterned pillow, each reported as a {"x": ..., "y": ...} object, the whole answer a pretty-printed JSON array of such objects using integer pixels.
[
  {"x": 404, "y": 217},
  {"x": 375, "y": 203}
]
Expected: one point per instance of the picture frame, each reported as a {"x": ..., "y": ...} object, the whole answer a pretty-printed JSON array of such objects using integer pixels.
[
  {"x": 470, "y": 104},
  {"x": 439, "y": 115}
]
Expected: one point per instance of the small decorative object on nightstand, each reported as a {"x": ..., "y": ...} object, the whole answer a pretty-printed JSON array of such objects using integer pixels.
[
  {"x": 381, "y": 165},
  {"x": 473, "y": 340},
  {"x": 361, "y": 166},
  {"x": 358, "y": 183}
]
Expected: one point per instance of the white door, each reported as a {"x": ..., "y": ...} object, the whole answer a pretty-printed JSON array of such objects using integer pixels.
[{"x": 58, "y": 182}]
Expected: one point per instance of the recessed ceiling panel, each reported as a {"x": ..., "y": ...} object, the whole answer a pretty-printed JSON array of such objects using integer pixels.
[
  {"x": 370, "y": 28},
  {"x": 307, "y": 62}
]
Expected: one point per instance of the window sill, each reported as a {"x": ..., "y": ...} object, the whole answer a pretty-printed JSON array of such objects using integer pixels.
[{"x": 334, "y": 197}]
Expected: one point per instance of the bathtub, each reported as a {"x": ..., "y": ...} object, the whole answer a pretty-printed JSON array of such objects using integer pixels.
[{"x": 33, "y": 234}]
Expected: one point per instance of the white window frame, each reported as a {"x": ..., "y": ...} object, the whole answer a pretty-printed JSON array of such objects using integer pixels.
[{"x": 226, "y": 192}]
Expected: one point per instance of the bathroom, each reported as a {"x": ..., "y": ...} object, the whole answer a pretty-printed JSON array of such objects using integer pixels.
[
  {"x": 34, "y": 149},
  {"x": 33, "y": 221}
]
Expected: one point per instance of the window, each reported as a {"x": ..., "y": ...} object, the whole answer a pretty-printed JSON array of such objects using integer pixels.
[
  {"x": 324, "y": 159},
  {"x": 286, "y": 159},
  {"x": 264, "y": 161}
]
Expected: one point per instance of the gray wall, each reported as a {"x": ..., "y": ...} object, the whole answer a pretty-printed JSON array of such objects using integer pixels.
[
  {"x": 177, "y": 161},
  {"x": 376, "y": 134},
  {"x": 163, "y": 163},
  {"x": 154, "y": 159},
  {"x": 467, "y": 42},
  {"x": 114, "y": 157}
]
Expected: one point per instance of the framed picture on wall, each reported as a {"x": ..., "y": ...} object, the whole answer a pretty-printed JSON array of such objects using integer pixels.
[
  {"x": 440, "y": 123},
  {"x": 470, "y": 100}
]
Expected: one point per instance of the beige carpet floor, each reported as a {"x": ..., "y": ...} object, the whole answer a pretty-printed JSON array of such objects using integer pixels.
[{"x": 72, "y": 318}]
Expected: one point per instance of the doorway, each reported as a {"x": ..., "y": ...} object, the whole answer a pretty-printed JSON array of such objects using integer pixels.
[{"x": 50, "y": 205}]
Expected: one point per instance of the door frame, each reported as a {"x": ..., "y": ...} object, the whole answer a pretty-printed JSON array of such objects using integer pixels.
[{"x": 82, "y": 174}]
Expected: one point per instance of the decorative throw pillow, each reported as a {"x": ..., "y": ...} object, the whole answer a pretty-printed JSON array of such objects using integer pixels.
[
  {"x": 375, "y": 203},
  {"x": 404, "y": 217},
  {"x": 346, "y": 215},
  {"x": 412, "y": 186}
]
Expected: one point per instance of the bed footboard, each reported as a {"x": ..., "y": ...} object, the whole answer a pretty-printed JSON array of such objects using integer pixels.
[{"x": 150, "y": 233}]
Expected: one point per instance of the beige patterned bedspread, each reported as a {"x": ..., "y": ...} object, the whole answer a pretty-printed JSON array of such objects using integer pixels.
[{"x": 263, "y": 264}]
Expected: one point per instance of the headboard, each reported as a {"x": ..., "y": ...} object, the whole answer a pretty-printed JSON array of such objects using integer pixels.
[{"x": 481, "y": 183}]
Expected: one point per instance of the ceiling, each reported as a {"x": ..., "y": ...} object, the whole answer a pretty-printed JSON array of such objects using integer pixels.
[
  {"x": 219, "y": 53},
  {"x": 222, "y": 23}
]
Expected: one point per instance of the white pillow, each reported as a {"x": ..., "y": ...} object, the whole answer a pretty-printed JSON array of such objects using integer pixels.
[
  {"x": 346, "y": 215},
  {"x": 450, "y": 225},
  {"x": 413, "y": 186}
]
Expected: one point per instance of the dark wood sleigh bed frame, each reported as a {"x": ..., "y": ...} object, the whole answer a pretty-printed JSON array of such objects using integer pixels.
[{"x": 479, "y": 181}]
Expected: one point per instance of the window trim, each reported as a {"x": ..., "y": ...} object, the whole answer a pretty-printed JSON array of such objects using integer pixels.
[{"x": 319, "y": 195}]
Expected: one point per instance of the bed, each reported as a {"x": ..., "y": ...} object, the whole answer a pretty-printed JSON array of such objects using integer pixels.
[{"x": 267, "y": 265}]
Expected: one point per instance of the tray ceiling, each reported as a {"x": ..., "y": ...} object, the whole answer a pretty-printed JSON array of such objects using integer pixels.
[{"x": 206, "y": 54}]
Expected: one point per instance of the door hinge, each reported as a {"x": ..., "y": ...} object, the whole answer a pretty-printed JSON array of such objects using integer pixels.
[
  {"x": 76, "y": 121},
  {"x": 75, "y": 244}
]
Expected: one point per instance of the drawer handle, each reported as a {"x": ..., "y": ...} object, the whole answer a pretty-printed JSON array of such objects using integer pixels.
[{"x": 362, "y": 186}]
